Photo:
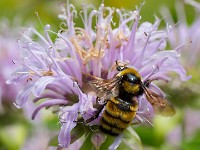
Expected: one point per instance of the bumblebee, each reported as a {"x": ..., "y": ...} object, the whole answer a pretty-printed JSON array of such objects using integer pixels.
[{"x": 120, "y": 95}]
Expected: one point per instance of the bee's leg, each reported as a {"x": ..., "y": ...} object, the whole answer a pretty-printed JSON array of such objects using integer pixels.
[
  {"x": 96, "y": 115},
  {"x": 100, "y": 101},
  {"x": 79, "y": 119},
  {"x": 93, "y": 130}
]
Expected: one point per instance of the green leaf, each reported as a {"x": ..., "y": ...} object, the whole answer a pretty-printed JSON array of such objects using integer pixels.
[
  {"x": 12, "y": 136},
  {"x": 192, "y": 143},
  {"x": 78, "y": 132},
  {"x": 54, "y": 141},
  {"x": 87, "y": 144}
]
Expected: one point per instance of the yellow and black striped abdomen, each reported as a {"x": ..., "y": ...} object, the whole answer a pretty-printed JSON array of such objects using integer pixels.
[{"x": 117, "y": 117}]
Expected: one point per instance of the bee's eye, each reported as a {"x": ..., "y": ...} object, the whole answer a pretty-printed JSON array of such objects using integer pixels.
[{"x": 132, "y": 79}]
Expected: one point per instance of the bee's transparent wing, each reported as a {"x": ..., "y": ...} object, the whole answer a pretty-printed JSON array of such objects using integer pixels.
[
  {"x": 161, "y": 105},
  {"x": 103, "y": 88}
]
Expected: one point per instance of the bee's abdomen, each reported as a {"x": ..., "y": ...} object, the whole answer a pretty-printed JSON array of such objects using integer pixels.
[{"x": 115, "y": 119}]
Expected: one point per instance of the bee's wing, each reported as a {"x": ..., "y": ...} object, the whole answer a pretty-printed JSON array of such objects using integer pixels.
[
  {"x": 103, "y": 88},
  {"x": 161, "y": 105}
]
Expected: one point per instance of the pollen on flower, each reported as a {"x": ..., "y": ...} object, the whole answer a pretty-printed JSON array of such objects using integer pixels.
[
  {"x": 49, "y": 72},
  {"x": 121, "y": 38},
  {"x": 87, "y": 55}
]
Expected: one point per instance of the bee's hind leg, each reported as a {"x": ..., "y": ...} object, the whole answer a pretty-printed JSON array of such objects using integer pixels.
[
  {"x": 99, "y": 110},
  {"x": 96, "y": 115}
]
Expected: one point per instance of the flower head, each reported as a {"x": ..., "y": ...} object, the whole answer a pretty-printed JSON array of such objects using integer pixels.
[{"x": 56, "y": 70}]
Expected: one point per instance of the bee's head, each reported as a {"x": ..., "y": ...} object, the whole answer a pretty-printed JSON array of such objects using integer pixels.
[{"x": 130, "y": 81}]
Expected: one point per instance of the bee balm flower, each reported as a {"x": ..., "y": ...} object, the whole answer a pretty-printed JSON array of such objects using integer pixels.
[{"x": 56, "y": 70}]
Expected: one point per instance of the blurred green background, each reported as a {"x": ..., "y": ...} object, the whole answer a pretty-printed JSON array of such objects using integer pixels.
[
  {"x": 167, "y": 133},
  {"x": 49, "y": 9}
]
